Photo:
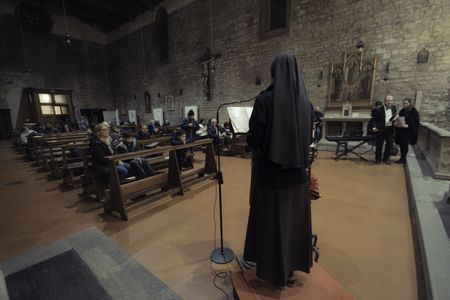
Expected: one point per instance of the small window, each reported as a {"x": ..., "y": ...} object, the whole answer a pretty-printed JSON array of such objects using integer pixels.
[
  {"x": 274, "y": 18},
  {"x": 57, "y": 110},
  {"x": 61, "y": 99},
  {"x": 277, "y": 14},
  {"x": 47, "y": 110},
  {"x": 162, "y": 35},
  {"x": 45, "y": 98},
  {"x": 61, "y": 110}
]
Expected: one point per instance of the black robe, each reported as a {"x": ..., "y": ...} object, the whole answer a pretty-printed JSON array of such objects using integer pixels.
[
  {"x": 279, "y": 227},
  {"x": 410, "y": 134}
]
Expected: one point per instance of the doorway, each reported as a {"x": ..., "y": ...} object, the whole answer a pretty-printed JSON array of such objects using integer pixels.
[
  {"x": 94, "y": 115},
  {"x": 5, "y": 124}
]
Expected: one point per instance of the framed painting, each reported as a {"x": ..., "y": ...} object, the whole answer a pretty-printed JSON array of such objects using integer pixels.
[
  {"x": 352, "y": 81},
  {"x": 169, "y": 102}
]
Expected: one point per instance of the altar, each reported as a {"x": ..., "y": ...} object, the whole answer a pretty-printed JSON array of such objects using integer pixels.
[{"x": 333, "y": 124}]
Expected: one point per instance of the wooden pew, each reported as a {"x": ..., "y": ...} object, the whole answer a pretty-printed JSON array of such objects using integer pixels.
[
  {"x": 73, "y": 167},
  {"x": 51, "y": 153},
  {"x": 38, "y": 141},
  {"x": 168, "y": 130},
  {"x": 166, "y": 183},
  {"x": 239, "y": 145},
  {"x": 89, "y": 184},
  {"x": 162, "y": 141}
]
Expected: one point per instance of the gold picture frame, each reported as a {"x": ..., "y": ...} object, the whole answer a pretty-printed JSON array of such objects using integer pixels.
[{"x": 352, "y": 80}]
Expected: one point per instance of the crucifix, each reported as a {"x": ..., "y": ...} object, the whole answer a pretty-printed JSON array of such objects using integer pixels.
[{"x": 206, "y": 61}]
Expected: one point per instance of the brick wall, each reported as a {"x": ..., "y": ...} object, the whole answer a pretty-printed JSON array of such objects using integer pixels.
[
  {"x": 395, "y": 31},
  {"x": 80, "y": 66}
]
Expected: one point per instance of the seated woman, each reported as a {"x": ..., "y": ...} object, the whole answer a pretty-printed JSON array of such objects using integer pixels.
[
  {"x": 100, "y": 147},
  {"x": 25, "y": 133},
  {"x": 115, "y": 135},
  {"x": 179, "y": 138},
  {"x": 227, "y": 135},
  {"x": 215, "y": 132},
  {"x": 65, "y": 128},
  {"x": 153, "y": 128},
  {"x": 202, "y": 132},
  {"x": 50, "y": 129},
  {"x": 26, "y": 140},
  {"x": 139, "y": 166}
]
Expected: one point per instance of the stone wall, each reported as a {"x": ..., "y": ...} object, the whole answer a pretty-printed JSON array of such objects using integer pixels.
[
  {"x": 80, "y": 66},
  {"x": 434, "y": 142},
  {"x": 395, "y": 31}
]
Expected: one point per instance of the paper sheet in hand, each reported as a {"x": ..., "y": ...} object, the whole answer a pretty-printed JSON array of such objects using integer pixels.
[
  {"x": 151, "y": 145},
  {"x": 400, "y": 122},
  {"x": 240, "y": 117}
]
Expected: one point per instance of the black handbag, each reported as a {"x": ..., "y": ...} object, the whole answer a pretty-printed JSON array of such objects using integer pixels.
[{"x": 394, "y": 150}]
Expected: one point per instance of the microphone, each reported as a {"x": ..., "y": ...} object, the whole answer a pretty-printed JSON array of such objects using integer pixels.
[{"x": 223, "y": 255}]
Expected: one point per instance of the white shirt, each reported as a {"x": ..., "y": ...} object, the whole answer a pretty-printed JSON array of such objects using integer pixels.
[
  {"x": 24, "y": 136},
  {"x": 203, "y": 131},
  {"x": 388, "y": 116}
]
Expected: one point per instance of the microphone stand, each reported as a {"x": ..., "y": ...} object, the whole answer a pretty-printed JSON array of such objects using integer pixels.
[{"x": 222, "y": 255}]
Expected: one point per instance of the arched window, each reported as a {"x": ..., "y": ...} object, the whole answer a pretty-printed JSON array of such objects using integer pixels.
[{"x": 162, "y": 35}]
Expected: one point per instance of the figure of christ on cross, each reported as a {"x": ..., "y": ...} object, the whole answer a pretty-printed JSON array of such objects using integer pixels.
[{"x": 206, "y": 61}]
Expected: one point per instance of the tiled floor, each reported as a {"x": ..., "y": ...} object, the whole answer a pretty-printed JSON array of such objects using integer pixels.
[{"x": 362, "y": 221}]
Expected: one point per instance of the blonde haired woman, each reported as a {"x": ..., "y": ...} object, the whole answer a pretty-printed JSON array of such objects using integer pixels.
[{"x": 100, "y": 148}]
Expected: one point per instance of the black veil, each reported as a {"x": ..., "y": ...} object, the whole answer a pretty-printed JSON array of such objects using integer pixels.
[{"x": 290, "y": 135}]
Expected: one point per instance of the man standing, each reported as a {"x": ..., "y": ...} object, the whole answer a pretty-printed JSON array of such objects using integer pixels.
[
  {"x": 383, "y": 118},
  {"x": 318, "y": 115},
  {"x": 190, "y": 125}
]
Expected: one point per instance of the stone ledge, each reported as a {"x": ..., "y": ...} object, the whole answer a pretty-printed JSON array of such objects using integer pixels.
[
  {"x": 441, "y": 132},
  {"x": 430, "y": 217}
]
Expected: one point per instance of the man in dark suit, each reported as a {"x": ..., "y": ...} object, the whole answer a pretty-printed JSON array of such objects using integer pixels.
[{"x": 383, "y": 117}]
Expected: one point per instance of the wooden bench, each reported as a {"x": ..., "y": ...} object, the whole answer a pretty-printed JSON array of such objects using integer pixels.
[
  {"x": 162, "y": 141},
  {"x": 52, "y": 154},
  {"x": 39, "y": 139},
  {"x": 91, "y": 186},
  {"x": 73, "y": 167},
  {"x": 168, "y": 130},
  {"x": 170, "y": 182},
  {"x": 239, "y": 145},
  {"x": 40, "y": 143}
]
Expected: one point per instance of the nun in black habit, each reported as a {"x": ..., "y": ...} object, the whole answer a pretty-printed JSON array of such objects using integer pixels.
[{"x": 279, "y": 226}]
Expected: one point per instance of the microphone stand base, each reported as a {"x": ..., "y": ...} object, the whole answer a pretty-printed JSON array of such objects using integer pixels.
[{"x": 222, "y": 255}]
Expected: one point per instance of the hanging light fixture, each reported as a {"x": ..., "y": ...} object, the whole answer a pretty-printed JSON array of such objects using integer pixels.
[{"x": 67, "y": 36}]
